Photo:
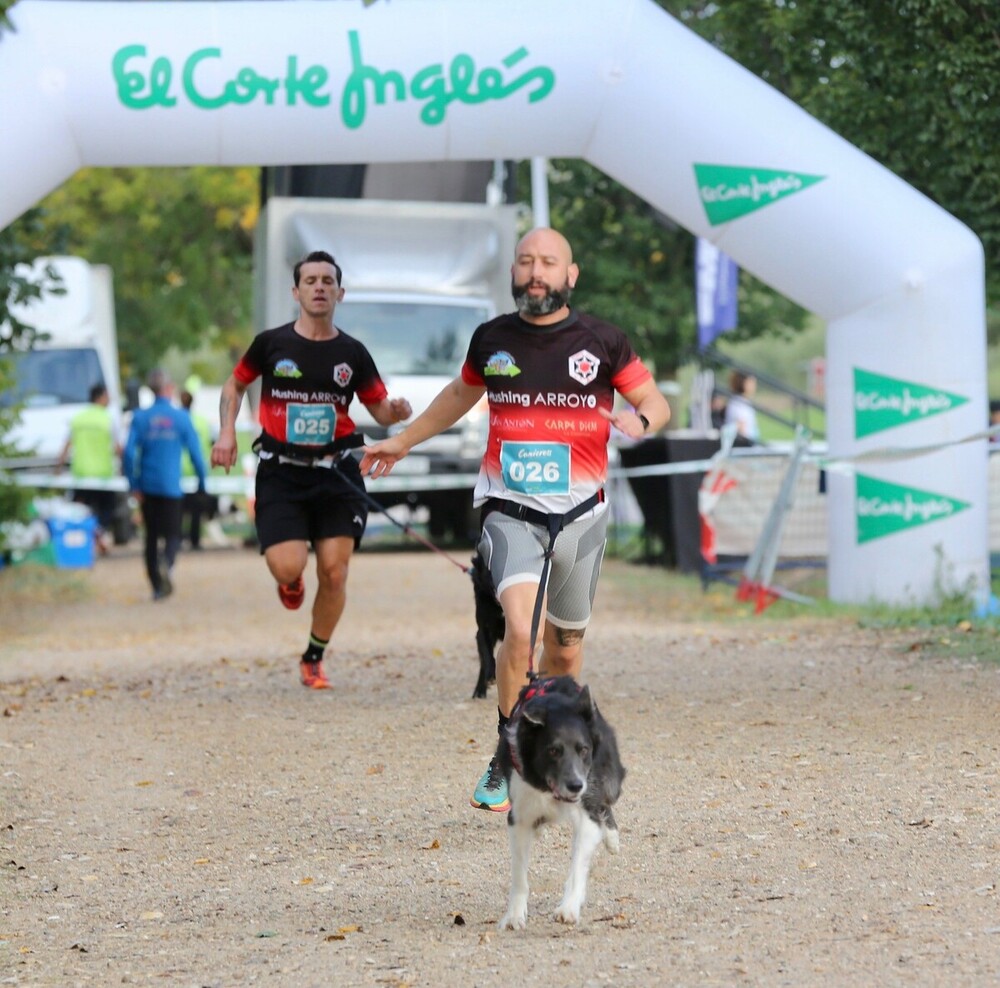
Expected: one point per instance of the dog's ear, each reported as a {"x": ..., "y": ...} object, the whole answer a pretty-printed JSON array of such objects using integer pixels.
[
  {"x": 535, "y": 713},
  {"x": 585, "y": 703}
]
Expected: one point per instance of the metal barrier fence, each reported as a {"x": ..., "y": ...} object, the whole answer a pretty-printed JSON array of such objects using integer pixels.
[{"x": 740, "y": 513}]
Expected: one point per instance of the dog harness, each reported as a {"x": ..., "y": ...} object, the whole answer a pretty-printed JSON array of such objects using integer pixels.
[{"x": 554, "y": 523}]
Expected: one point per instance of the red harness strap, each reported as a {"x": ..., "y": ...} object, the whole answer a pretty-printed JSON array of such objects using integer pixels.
[{"x": 535, "y": 687}]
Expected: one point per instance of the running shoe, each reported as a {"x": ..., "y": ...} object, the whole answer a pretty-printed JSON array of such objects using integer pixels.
[
  {"x": 491, "y": 793},
  {"x": 313, "y": 677},
  {"x": 292, "y": 594},
  {"x": 166, "y": 586}
]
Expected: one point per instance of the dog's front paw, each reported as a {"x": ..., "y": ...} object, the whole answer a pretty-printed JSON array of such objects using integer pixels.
[
  {"x": 568, "y": 913},
  {"x": 611, "y": 841},
  {"x": 514, "y": 919}
]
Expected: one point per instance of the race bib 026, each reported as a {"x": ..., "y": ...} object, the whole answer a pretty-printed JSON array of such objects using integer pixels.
[
  {"x": 310, "y": 425},
  {"x": 535, "y": 468}
]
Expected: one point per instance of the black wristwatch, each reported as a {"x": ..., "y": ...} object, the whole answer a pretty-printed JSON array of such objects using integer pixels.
[{"x": 644, "y": 421}]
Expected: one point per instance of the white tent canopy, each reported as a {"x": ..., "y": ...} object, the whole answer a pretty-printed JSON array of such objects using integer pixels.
[{"x": 623, "y": 85}]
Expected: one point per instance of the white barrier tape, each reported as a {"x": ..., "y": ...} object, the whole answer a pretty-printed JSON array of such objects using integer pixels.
[
  {"x": 838, "y": 464},
  {"x": 467, "y": 481},
  {"x": 663, "y": 469},
  {"x": 58, "y": 481},
  {"x": 848, "y": 464},
  {"x": 389, "y": 484},
  {"x": 239, "y": 484}
]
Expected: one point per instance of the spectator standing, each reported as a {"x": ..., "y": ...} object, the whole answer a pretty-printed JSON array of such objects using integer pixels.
[
  {"x": 152, "y": 464},
  {"x": 717, "y": 410},
  {"x": 92, "y": 449},
  {"x": 195, "y": 504},
  {"x": 739, "y": 408}
]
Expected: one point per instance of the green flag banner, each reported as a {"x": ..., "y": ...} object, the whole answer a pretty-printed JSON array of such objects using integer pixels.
[
  {"x": 728, "y": 192},
  {"x": 882, "y": 402},
  {"x": 884, "y": 508}
]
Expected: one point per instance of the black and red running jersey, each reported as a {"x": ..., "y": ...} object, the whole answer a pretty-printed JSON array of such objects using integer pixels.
[
  {"x": 307, "y": 385},
  {"x": 547, "y": 444}
]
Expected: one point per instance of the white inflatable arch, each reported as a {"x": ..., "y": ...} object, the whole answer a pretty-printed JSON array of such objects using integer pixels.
[{"x": 624, "y": 86}]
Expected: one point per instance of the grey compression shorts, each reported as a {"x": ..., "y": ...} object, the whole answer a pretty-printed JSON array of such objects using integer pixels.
[{"x": 514, "y": 551}]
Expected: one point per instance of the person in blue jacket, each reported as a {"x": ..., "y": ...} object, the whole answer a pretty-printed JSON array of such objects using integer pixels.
[{"x": 152, "y": 463}]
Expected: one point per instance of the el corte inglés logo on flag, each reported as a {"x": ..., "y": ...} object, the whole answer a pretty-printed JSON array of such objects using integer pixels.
[
  {"x": 728, "y": 192},
  {"x": 886, "y": 402},
  {"x": 885, "y": 509}
]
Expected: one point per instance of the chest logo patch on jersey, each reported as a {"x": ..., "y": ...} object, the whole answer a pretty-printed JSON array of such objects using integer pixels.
[
  {"x": 287, "y": 368},
  {"x": 342, "y": 374},
  {"x": 501, "y": 364},
  {"x": 583, "y": 366}
]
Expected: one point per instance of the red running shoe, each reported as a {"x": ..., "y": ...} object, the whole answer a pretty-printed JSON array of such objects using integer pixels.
[
  {"x": 313, "y": 676},
  {"x": 292, "y": 594}
]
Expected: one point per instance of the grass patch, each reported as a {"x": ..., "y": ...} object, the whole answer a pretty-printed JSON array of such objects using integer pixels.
[
  {"x": 946, "y": 630},
  {"x": 966, "y": 641},
  {"x": 949, "y": 630}
]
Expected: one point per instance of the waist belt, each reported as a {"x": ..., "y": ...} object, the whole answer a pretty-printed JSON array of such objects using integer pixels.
[
  {"x": 307, "y": 455},
  {"x": 522, "y": 512}
]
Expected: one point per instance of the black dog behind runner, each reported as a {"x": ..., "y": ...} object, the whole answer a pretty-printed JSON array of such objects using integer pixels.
[
  {"x": 560, "y": 759},
  {"x": 490, "y": 624}
]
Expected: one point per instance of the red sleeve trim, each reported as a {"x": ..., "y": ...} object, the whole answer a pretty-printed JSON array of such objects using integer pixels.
[
  {"x": 631, "y": 376},
  {"x": 374, "y": 393},
  {"x": 244, "y": 373},
  {"x": 472, "y": 376}
]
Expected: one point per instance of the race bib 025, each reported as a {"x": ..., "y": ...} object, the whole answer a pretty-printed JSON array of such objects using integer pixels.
[{"x": 310, "y": 425}]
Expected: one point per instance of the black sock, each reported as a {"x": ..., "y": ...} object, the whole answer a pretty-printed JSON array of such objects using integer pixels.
[
  {"x": 502, "y": 722},
  {"x": 314, "y": 651}
]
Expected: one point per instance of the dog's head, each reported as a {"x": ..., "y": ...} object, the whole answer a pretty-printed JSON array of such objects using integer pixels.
[{"x": 555, "y": 742}]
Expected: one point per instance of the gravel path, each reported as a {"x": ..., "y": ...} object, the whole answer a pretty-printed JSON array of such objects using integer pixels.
[{"x": 807, "y": 803}]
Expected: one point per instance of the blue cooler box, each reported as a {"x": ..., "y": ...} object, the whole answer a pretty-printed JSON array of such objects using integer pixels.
[{"x": 73, "y": 542}]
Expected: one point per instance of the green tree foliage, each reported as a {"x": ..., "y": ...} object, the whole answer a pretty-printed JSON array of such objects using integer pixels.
[
  {"x": 14, "y": 499},
  {"x": 20, "y": 244},
  {"x": 180, "y": 243},
  {"x": 913, "y": 83}
]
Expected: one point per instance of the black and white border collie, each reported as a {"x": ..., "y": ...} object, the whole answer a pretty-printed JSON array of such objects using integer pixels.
[{"x": 560, "y": 759}]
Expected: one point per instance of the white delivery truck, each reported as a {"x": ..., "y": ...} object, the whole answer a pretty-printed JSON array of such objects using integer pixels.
[
  {"x": 52, "y": 381},
  {"x": 419, "y": 277}
]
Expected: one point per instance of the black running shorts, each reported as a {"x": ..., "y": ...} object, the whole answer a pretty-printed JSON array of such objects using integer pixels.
[{"x": 307, "y": 504}]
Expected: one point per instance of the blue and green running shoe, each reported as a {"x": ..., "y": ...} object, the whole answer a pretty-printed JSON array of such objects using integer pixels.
[{"x": 491, "y": 793}]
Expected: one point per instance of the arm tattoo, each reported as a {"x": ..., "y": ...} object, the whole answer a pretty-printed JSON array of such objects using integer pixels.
[{"x": 227, "y": 411}]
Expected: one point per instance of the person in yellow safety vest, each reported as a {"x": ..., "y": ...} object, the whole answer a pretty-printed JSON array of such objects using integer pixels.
[
  {"x": 196, "y": 505},
  {"x": 92, "y": 449}
]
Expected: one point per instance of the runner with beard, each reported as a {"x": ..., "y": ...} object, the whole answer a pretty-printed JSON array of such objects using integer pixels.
[{"x": 550, "y": 374}]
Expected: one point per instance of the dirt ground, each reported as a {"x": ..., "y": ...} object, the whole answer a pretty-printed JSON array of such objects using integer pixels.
[{"x": 807, "y": 803}]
